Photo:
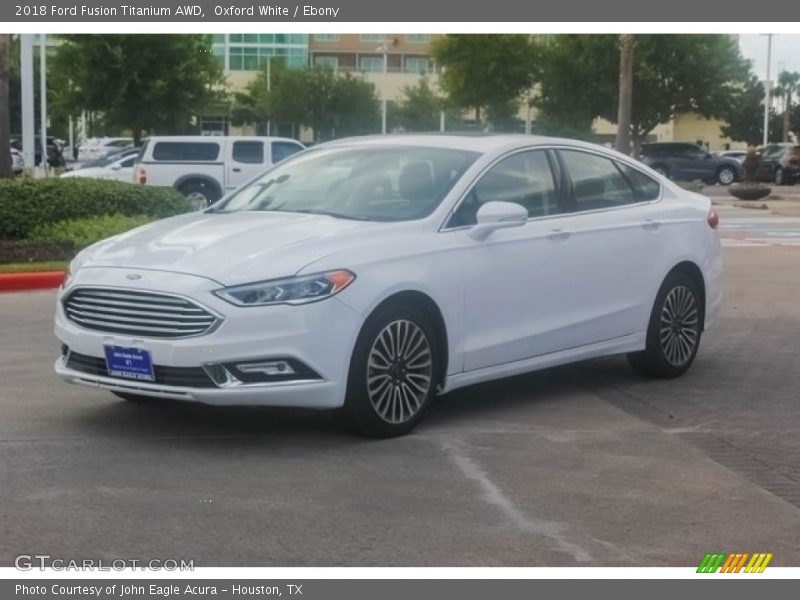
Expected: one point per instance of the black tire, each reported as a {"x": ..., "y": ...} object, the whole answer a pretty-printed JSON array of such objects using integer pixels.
[
  {"x": 199, "y": 194},
  {"x": 778, "y": 177},
  {"x": 670, "y": 351},
  {"x": 368, "y": 408},
  {"x": 726, "y": 175}
]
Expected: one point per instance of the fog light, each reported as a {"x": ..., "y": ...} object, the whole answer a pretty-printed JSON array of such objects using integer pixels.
[
  {"x": 274, "y": 369},
  {"x": 269, "y": 368}
]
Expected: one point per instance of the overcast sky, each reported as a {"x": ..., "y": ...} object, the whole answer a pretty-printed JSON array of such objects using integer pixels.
[{"x": 785, "y": 53}]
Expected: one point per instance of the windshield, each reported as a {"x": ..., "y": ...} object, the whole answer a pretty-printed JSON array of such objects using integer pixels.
[{"x": 395, "y": 183}]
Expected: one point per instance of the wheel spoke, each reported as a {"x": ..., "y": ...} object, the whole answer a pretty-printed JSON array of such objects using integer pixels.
[{"x": 400, "y": 371}]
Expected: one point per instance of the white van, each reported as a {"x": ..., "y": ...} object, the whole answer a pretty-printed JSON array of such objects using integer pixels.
[{"x": 203, "y": 168}]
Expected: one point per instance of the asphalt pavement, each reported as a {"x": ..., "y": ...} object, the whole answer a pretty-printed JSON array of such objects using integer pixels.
[{"x": 581, "y": 465}]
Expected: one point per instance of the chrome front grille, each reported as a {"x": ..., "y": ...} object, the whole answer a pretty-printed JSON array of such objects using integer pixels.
[{"x": 135, "y": 313}]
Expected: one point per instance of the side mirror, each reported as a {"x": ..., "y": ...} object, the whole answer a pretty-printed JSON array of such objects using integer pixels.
[
  {"x": 497, "y": 215},
  {"x": 708, "y": 155}
]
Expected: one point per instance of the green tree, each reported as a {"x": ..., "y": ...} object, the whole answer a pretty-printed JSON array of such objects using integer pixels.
[
  {"x": 744, "y": 115},
  {"x": 577, "y": 83},
  {"x": 333, "y": 105},
  {"x": 788, "y": 86},
  {"x": 485, "y": 71},
  {"x": 143, "y": 83},
  {"x": 672, "y": 74},
  {"x": 420, "y": 108}
]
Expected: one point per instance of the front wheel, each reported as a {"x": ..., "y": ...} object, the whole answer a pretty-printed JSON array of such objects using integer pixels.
[
  {"x": 778, "y": 178},
  {"x": 393, "y": 372},
  {"x": 726, "y": 176},
  {"x": 674, "y": 330}
]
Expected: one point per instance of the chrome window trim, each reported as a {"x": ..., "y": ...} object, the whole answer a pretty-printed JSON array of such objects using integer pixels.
[{"x": 443, "y": 228}]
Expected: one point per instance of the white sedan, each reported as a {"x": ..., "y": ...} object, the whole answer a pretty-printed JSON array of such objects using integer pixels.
[
  {"x": 118, "y": 170},
  {"x": 371, "y": 274}
]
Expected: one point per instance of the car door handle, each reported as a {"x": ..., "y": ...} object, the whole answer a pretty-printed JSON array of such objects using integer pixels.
[
  {"x": 651, "y": 224},
  {"x": 558, "y": 234},
  {"x": 237, "y": 170}
]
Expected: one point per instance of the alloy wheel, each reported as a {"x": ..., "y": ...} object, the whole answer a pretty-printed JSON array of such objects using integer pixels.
[
  {"x": 679, "y": 331},
  {"x": 726, "y": 176},
  {"x": 399, "y": 371}
]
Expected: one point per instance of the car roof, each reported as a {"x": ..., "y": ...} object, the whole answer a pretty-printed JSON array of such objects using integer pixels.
[
  {"x": 478, "y": 142},
  {"x": 215, "y": 138}
]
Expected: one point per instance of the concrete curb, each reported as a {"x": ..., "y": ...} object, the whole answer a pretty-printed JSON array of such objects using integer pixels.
[{"x": 23, "y": 282}]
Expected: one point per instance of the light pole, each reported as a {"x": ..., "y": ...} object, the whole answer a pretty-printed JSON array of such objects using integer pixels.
[
  {"x": 767, "y": 90},
  {"x": 269, "y": 88},
  {"x": 385, "y": 49},
  {"x": 43, "y": 98},
  {"x": 26, "y": 81}
]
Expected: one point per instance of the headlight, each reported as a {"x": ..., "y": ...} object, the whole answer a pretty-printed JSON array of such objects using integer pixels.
[{"x": 291, "y": 290}]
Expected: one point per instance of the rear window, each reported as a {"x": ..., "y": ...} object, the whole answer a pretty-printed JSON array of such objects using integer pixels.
[
  {"x": 186, "y": 151},
  {"x": 645, "y": 187}
]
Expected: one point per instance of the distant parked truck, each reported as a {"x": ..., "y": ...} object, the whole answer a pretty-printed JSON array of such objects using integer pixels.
[{"x": 204, "y": 168}]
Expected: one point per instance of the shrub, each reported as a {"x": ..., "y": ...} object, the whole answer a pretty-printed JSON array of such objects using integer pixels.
[
  {"x": 29, "y": 203},
  {"x": 79, "y": 233}
]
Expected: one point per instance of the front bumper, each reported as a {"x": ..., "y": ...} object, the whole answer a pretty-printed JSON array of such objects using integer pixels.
[{"x": 320, "y": 335}]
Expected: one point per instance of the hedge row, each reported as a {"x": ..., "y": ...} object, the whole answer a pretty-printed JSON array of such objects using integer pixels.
[
  {"x": 26, "y": 204},
  {"x": 80, "y": 233}
]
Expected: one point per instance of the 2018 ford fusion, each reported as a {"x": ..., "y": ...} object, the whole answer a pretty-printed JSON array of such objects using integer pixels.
[{"x": 370, "y": 274}]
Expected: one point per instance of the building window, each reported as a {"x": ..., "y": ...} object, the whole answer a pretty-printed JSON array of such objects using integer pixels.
[
  {"x": 418, "y": 38},
  {"x": 326, "y": 37},
  {"x": 332, "y": 62},
  {"x": 416, "y": 64},
  {"x": 373, "y": 37},
  {"x": 370, "y": 64}
]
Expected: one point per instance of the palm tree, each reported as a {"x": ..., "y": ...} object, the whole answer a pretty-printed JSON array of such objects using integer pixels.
[
  {"x": 788, "y": 86},
  {"x": 5, "y": 133},
  {"x": 626, "y": 44}
]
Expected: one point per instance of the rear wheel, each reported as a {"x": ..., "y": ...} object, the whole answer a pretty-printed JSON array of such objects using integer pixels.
[
  {"x": 726, "y": 175},
  {"x": 199, "y": 195},
  {"x": 673, "y": 334},
  {"x": 393, "y": 372}
]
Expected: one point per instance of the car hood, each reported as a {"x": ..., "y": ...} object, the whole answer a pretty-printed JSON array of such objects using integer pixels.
[{"x": 228, "y": 248}]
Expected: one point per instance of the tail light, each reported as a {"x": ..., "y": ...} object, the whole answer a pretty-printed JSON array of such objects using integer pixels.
[
  {"x": 793, "y": 158},
  {"x": 713, "y": 218}
]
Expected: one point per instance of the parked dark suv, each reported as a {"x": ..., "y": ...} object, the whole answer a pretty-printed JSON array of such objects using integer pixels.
[
  {"x": 687, "y": 162},
  {"x": 780, "y": 163}
]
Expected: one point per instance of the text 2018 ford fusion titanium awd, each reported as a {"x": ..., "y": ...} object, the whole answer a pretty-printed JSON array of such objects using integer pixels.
[{"x": 374, "y": 273}]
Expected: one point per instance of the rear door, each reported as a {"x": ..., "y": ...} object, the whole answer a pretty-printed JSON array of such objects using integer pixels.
[
  {"x": 602, "y": 249},
  {"x": 247, "y": 157}
]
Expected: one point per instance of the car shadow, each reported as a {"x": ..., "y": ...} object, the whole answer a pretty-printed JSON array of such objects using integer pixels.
[{"x": 176, "y": 419}]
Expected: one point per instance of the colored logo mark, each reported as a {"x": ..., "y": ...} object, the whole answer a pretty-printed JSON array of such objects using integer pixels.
[{"x": 739, "y": 562}]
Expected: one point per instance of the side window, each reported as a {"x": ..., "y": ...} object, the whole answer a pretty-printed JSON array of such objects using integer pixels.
[
  {"x": 596, "y": 181},
  {"x": 248, "y": 152},
  {"x": 646, "y": 187},
  {"x": 127, "y": 162},
  {"x": 186, "y": 151},
  {"x": 282, "y": 150},
  {"x": 524, "y": 178}
]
